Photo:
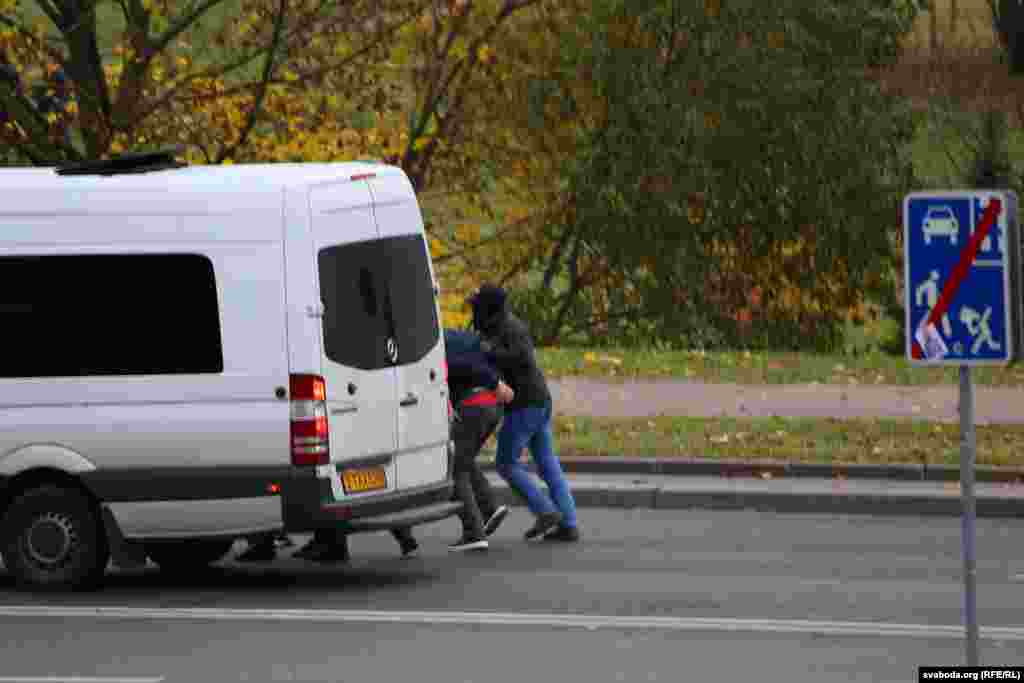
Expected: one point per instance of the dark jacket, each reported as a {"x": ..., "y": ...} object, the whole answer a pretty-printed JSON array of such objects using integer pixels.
[
  {"x": 510, "y": 348},
  {"x": 468, "y": 367}
]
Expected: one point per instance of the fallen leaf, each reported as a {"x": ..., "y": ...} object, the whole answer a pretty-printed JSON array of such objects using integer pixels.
[
  {"x": 590, "y": 357},
  {"x": 876, "y": 450},
  {"x": 724, "y": 438}
]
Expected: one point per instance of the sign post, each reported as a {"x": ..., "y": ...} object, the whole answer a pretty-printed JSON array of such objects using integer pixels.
[
  {"x": 961, "y": 260},
  {"x": 968, "y": 444}
]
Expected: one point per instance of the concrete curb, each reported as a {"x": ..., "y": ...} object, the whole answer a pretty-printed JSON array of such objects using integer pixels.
[
  {"x": 680, "y": 466},
  {"x": 627, "y": 496}
]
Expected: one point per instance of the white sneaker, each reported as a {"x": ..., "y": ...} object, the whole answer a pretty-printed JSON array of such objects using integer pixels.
[
  {"x": 495, "y": 520},
  {"x": 464, "y": 544}
]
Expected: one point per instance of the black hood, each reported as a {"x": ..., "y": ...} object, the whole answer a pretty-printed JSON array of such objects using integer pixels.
[{"x": 488, "y": 306}]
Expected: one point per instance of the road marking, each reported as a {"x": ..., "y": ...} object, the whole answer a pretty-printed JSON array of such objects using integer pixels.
[
  {"x": 590, "y": 622},
  {"x": 77, "y": 679}
]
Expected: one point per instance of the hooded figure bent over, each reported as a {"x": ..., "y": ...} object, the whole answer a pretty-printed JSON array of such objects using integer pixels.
[{"x": 527, "y": 423}]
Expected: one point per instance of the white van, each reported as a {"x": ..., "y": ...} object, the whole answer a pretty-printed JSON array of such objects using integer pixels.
[{"x": 196, "y": 354}]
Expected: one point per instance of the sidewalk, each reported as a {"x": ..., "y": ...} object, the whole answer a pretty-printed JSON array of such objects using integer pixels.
[
  {"x": 808, "y": 496},
  {"x": 580, "y": 396},
  {"x": 680, "y": 483}
]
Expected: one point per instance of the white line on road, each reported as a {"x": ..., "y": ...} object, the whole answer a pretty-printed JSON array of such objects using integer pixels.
[
  {"x": 591, "y": 622},
  {"x": 76, "y": 679}
]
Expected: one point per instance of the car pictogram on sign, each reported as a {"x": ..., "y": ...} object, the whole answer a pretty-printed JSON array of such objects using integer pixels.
[{"x": 939, "y": 222}]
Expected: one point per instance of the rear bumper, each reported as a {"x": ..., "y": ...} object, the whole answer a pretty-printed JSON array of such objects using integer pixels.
[{"x": 303, "y": 512}]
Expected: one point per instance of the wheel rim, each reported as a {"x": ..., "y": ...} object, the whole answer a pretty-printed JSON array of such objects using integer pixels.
[{"x": 50, "y": 541}]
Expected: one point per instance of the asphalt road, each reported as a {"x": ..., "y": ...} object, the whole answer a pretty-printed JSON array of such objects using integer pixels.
[{"x": 650, "y": 595}]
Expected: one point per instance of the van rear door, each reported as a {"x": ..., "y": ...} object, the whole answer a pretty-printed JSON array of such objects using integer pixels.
[
  {"x": 423, "y": 431},
  {"x": 358, "y": 344}
]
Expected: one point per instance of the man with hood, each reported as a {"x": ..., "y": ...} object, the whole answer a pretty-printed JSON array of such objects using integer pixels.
[{"x": 507, "y": 343}]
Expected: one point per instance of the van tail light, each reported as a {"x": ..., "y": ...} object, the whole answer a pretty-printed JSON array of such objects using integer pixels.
[{"x": 309, "y": 430}]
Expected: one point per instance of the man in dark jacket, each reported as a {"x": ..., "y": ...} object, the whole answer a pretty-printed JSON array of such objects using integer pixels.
[
  {"x": 527, "y": 423},
  {"x": 476, "y": 393}
]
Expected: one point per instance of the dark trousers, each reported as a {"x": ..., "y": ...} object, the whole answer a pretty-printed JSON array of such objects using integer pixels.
[{"x": 474, "y": 426}]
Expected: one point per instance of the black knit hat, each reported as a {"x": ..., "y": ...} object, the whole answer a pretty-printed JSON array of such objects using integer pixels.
[{"x": 487, "y": 302}]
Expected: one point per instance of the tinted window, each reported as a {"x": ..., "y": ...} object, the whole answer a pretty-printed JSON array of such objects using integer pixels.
[
  {"x": 96, "y": 315},
  {"x": 356, "y": 324},
  {"x": 375, "y": 291},
  {"x": 412, "y": 297}
]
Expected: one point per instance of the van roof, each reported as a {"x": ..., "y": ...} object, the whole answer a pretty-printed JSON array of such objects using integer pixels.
[
  {"x": 237, "y": 188},
  {"x": 223, "y": 178}
]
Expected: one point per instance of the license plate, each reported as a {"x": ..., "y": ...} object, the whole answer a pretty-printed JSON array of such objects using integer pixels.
[{"x": 368, "y": 479}]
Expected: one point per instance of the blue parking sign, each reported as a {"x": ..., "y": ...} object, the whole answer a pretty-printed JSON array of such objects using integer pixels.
[{"x": 972, "y": 281}]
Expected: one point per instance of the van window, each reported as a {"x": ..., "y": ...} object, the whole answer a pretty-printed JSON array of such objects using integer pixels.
[
  {"x": 356, "y": 324},
  {"x": 412, "y": 297},
  {"x": 375, "y": 291},
  {"x": 107, "y": 314}
]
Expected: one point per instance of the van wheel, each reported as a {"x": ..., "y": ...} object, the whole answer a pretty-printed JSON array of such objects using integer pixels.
[
  {"x": 53, "y": 540},
  {"x": 188, "y": 554}
]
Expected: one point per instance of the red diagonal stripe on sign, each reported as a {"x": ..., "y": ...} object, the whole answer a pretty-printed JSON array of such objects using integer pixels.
[{"x": 967, "y": 257}]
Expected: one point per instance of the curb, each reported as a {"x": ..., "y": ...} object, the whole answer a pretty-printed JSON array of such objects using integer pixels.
[
  {"x": 682, "y": 466},
  {"x": 627, "y": 496}
]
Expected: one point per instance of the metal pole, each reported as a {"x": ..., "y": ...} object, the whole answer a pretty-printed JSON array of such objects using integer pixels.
[{"x": 967, "y": 453}]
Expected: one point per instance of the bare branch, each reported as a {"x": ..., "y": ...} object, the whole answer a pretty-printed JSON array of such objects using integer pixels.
[
  {"x": 445, "y": 126},
  {"x": 268, "y": 72},
  {"x": 160, "y": 42}
]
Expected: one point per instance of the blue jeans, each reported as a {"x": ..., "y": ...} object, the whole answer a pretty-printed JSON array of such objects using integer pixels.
[{"x": 531, "y": 427}]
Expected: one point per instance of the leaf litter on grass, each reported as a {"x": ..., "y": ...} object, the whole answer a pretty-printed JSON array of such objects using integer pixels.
[
  {"x": 745, "y": 367},
  {"x": 872, "y": 441}
]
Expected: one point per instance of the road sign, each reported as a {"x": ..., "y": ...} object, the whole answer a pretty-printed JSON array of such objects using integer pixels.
[{"x": 960, "y": 260}]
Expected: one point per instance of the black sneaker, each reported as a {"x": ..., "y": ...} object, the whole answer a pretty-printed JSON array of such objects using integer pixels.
[
  {"x": 545, "y": 522},
  {"x": 259, "y": 552},
  {"x": 410, "y": 549},
  {"x": 563, "y": 534},
  {"x": 316, "y": 551},
  {"x": 495, "y": 520},
  {"x": 468, "y": 543}
]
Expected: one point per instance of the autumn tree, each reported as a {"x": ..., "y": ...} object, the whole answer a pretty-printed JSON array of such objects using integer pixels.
[
  {"x": 206, "y": 73},
  {"x": 489, "y": 131},
  {"x": 743, "y": 184}
]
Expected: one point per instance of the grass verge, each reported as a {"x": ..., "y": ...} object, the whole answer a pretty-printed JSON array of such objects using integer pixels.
[
  {"x": 784, "y": 439},
  {"x": 761, "y": 368}
]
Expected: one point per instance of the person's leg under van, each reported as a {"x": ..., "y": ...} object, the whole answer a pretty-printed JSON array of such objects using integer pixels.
[
  {"x": 327, "y": 545},
  {"x": 406, "y": 541},
  {"x": 262, "y": 548}
]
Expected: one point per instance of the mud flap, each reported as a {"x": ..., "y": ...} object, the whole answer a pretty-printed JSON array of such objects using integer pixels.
[{"x": 124, "y": 553}]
